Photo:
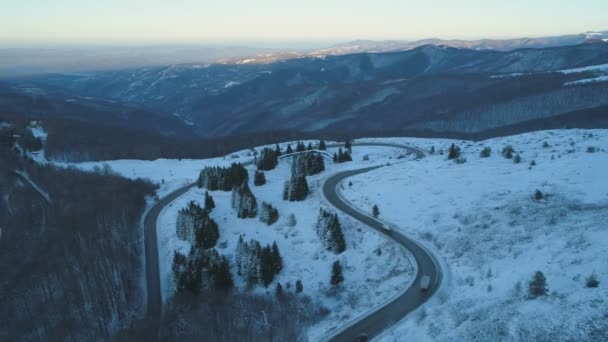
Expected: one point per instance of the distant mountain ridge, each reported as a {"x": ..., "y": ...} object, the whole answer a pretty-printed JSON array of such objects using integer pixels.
[{"x": 436, "y": 89}]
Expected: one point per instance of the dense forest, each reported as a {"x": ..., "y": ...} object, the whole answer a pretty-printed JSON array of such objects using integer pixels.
[{"x": 70, "y": 250}]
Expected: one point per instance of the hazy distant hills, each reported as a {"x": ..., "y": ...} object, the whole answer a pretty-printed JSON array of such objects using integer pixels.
[
  {"x": 438, "y": 89},
  {"x": 360, "y": 46}
]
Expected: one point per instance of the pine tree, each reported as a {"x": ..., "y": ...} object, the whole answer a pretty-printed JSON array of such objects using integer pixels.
[
  {"x": 259, "y": 178},
  {"x": 277, "y": 150},
  {"x": 289, "y": 150},
  {"x": 538, "y": 195},
  {"x": 538, "y": 285},
  {"x": 209, "y": 202},
  {"x": 454, "y": 152},
  {"x": 335, "y": 157},
  {"x": 309, "y": 147},
  {"x": 375, "y": 211},
  {"x": 277, "y": 260},
  {"x": 300, "y": 147},
  {"x": 336, "y": 274},
  {"x": 299, "y": 286},
  {"x": 348, "y": 146},
  {"x": 432, "y": 150},
  {"x": 322, "y": 146},
  {"x": 244, "y": 202}
]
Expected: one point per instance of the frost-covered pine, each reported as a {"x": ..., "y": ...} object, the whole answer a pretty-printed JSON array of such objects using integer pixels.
[
  {"x": 209, "y": 202},
  {"x": 269, "y": 214},
  {"x": 336, "y": 274},
  {"x": 259, "y": 178},
  {"x": 538, "y": 285},
  {"x": 329, "y": 231},
  {"x": 244, "y": 202},
  {"x": 308, "y": 164}
]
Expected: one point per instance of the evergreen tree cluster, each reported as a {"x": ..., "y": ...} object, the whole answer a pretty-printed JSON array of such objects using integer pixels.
[
  {"x": 508, "y": 151},
  {"x": 329, "y": 231},
  {"x": 223, "y": 178},
  {"x": 195, "y": 226},
  {"x": 259, "y": 178},
  {"x": 269, "y": 159},
  {"x": 269, "y": 214},
  {"x": 308, "y": 164},
  {"x": 201, "y": 269},
  {"x": 244, "y": 201},
  {"x": 342, "y": 156},
  {"x": 296, "y": 189},
  {"x": 258, "y": 264},
  {"x": 322, "y": 146}
]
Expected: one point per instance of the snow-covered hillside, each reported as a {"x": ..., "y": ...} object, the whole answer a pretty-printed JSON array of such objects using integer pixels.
[
  {"x": 482, "y": 218},
  {"x": 375, "y": 268}
]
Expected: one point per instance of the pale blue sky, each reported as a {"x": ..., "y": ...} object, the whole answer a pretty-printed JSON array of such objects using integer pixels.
[{"x": 246, "y": 21}]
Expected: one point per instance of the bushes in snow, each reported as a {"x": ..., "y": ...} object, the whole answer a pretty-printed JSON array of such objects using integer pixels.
[
  {"x": 507, "y": 152},
  {"x": 538, "y": 286},
  {"x": 223, "y": 178},
  {"x": 244, "y": 202},
  {"x": 538, "y": 195},
  {"x": 592, "y": 281},
  {"x": 195, "y": 226},
  {"x": 485, "y": 152},
  {"x": 329, "y": 231},
  {"x": 454, "y": 152},
  {"x": 256, "y": 263},
  {"x": 269, "y": 214},
  {"x": 517, "y": 159},
  {"x": 299, "y": 286},
  {"x": 259, "y": 178}
]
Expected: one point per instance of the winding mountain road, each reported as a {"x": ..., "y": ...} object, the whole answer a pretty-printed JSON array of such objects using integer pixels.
[
  {"x": 387, "y": 315},
  {"x": 371, "y": 324}
]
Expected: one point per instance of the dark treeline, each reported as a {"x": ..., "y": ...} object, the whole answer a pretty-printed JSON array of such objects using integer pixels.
[
  {"x": 269, "y": 158},
  {"x": 269, "y": 214},
  {"x": 71, "y": 265},
  {"x": 308, "y": 164},
  {"x": 201, "y": 269},
  {"x": 244, "y": 202},
  {"x": 238, "y": 317},
  {"x": 223, "y": 178}
]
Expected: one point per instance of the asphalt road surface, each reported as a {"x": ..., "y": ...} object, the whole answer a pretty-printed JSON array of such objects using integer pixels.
[{"x": 414, "y": 297}]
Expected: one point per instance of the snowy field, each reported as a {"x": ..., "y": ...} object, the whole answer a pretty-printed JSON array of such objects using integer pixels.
[
  {"x": 375, "y": 269},
  {"x": 482, "y": 219}
]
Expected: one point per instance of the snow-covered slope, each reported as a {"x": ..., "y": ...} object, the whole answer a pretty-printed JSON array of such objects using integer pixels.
[
  {"x": 375, "y": 269},
  {"x": 482, "y": 218}
]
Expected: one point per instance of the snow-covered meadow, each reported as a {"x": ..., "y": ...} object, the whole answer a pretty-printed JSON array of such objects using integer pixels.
[
  {"x": 482, "y": 219},
  {"x": 375, "y": 269}
]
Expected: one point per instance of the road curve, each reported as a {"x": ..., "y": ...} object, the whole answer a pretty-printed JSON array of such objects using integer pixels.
[
  {"x": 151, "y": 247},
  {"x": 387, "y": 315},
  {"x": 371, "y": 325}
]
